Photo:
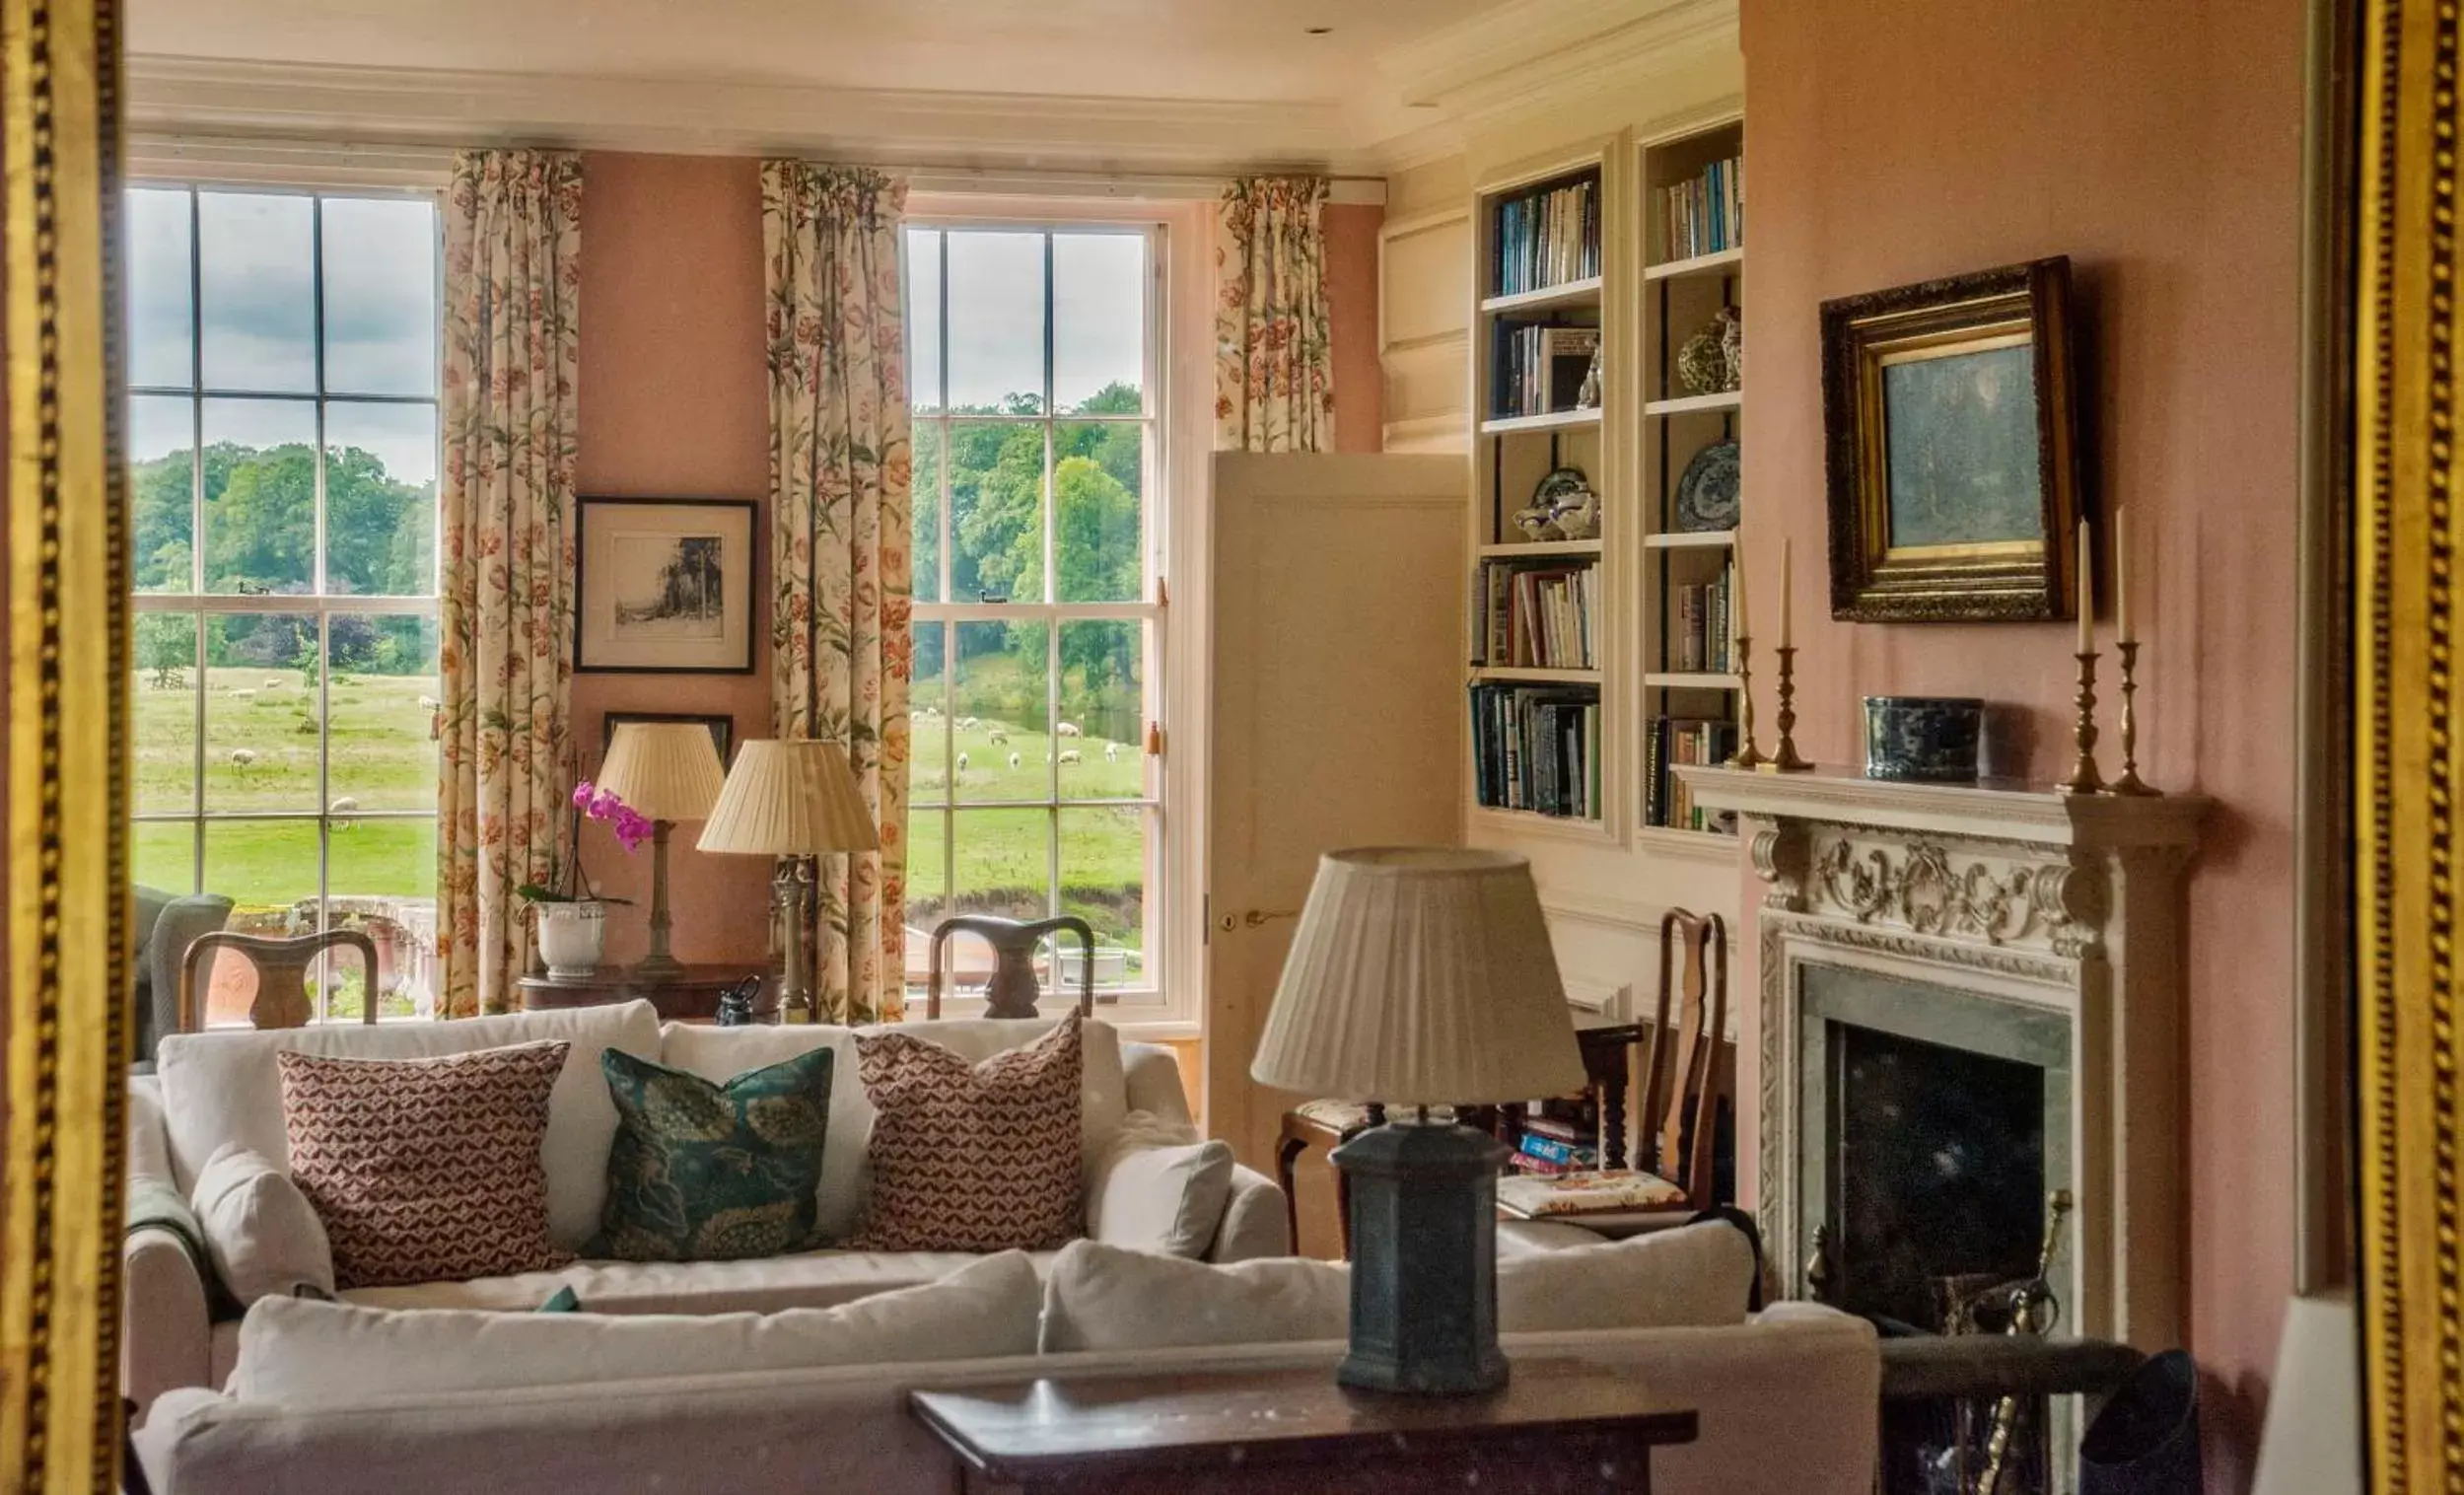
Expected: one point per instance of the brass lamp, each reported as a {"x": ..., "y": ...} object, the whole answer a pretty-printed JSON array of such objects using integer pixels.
[
  {"x": 1422, "y": 978},
  {"x": 795, "y": 800},
  {"x": 667, "y": 771}
]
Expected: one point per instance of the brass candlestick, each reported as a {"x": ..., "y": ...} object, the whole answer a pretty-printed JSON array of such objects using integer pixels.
[
  {"x": 1747, "y": 756},
  {"x": 2130, "y": 781},
  {"x": 2084, "y": 779},
  {"x": 1783, "y": 758}
]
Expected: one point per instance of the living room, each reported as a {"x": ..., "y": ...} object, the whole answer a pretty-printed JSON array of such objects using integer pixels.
[{"x": 618, "y": 529}]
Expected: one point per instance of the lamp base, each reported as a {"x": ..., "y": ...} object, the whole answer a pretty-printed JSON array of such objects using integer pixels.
[
  {"x": 1423, "y": 1260},
  {"x": 659, "y": 968}
]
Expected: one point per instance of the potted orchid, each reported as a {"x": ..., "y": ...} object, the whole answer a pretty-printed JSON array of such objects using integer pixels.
[{"x": 572, "y": 916}]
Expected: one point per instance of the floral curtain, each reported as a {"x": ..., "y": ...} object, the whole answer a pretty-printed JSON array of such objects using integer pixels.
[
  {"x": 1274, "y": 366},
  {"x": 840, "y": 533},
  {"x": 512, "y": 241}
]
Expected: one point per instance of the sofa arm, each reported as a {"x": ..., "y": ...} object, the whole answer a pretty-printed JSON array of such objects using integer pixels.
[
  {"x": 1255, "y": 1221},
  {"x": 167, "y": 1339}
]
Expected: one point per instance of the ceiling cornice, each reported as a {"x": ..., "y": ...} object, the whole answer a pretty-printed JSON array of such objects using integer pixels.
[{"x": 1531, "y": 53}]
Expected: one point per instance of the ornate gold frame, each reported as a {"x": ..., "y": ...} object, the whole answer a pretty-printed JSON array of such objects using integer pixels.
[{"x": 64, "y": 879}]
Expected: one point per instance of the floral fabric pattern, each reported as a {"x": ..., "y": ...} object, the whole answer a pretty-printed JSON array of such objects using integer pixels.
[
  {"x": 513, "y": 242},
  {"x": 1274, "y": 360},
  {"x": 839, "y": 478},
  {"x": 712, "y": 1172}
]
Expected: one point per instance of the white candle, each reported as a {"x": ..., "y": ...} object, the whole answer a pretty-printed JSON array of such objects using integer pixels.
[
  {"x": 2121, "y": 578},
  {"x": 1788, "y": 604},
  {"x": 2087, "y": 594}
]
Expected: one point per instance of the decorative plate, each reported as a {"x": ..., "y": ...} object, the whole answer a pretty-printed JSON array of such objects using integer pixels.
[{"x": 1707, "y": 493}]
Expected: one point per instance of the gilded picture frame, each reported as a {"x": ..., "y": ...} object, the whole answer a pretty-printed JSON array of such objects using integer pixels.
[{"x": 1950, "y": 424}]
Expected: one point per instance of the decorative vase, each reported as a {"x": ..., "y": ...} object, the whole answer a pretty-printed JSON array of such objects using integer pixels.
[
  {"x": 1731, "y": 348},
  {"x": 573, "y": 937},
  {"x": 1923, "y": 739},
  {"x": 1713, "y": 360}
]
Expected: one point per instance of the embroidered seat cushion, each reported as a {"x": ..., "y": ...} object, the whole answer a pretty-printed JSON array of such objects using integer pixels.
[
  {"x": 972, "y": 1157},
  {"x": 425, "y": 1169},
  {"x": 712, "y": 1172}
]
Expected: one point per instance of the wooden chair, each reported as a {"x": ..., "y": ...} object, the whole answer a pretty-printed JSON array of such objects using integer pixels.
[
  {"x": 282, "y": 967},
  {"x": 1013, "y": 990},
  {"x": 1682, "y": 1083}
]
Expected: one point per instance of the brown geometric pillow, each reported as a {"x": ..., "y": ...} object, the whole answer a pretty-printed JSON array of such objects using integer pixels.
[
  {"x": 972, "y": 1157},
  {"x": 425, "y": 1169}
]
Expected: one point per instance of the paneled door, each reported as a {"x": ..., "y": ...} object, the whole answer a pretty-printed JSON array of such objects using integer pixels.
[{"x": 1337, "y": 673}]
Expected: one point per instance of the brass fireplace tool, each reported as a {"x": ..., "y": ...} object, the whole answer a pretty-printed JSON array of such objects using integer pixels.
[
  {"x": 2033, "y": 1310},
  {"x": 1747, "y": 756}
]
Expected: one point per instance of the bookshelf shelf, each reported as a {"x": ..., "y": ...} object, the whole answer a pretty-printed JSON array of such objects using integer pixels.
[
  {"x": 1721, "y": 262},
  {"x": 1536, "y": 548},
  {"x": 1554, "y": 420},
  {"x": 1532, "y": 822},
  {"x": 1690, "y": 539},
  {"x": 1717, "y": 845},
  {"x": 1573, "y": 293},
  {"x": 1525, "y": 674},
  {"x": 1689, "y": 404},
  {"x": 1685, "y": 679}
]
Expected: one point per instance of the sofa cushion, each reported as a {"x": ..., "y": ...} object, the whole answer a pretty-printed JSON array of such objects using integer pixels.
[
  {"x": 1100, "y": 1297},
  {"x": 260, "y": 1230},
  {"x": 722, "y": 1053},
  {"x": 759, "y": 1285},
  {"x": 972, "y": 1157},
  {"x": 1159, "y": 1189},
  {"x": 222, "y": 1087},
  {"x": 425, "y": 1169},
  {"x": 703, "y": 1171},
  {"x": 296, "y": 1351}
]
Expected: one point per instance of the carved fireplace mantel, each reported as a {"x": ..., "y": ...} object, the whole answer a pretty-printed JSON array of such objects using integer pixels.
[{"x": 2006, "y": 907}]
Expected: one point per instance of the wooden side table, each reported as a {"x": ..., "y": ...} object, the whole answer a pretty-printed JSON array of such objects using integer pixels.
[
  {"x": 1558, "y": 1426},
  {"x": 692, "y": 997}
]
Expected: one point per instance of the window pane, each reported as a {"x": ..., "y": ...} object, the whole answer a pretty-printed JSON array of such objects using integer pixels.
[
  {"x": 1098, "y": 477},
  {"x": 927, "y": 891},
  {"x": 161, "y": 452},
  {"x": 1103, "y": 881},
  {"x": 1004, "y": 862},
  {"x": 1103, "y": 709},
  {"x": 928, "y": 718},
  {"x": 995, "y": 511},
  {"x": 1098, "y": 322},
  {"x": 381, "y": 499},
  {"x": 260, "y": 712},
  {"x": 997, "y": 323},
  {"x": 163, "y": 855},
  {"x": 255, "y": 259},
  {"x": 381, "y": 703},
  {"x": 260, "y": 496},
  {"x": 160, "y": 327},
  {"x": 164, "y": 699},
  {"x": 268, "y": 871},
  {"x": 925, "y": 496},
  {"x": 381, "y": 863},
  {"x": 381, "y": 295},
  {"x": 999, "y": 707},
  {"x": 923, "y": 307}
]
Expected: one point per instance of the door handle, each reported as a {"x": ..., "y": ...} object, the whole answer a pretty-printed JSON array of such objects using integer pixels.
[{"x": 1255, "y": 918}]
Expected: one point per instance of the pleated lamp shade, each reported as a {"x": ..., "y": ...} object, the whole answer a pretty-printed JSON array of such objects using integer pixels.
[
  {"x": 664, "y": 770},
  {"x": 790, "y": 798},
  {"x": 1421, "y": 977}
]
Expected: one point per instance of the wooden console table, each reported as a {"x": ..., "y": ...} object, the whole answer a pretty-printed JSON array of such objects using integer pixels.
[
  {"x": 1560, "y": 1426},
  {"x": 689, "y": 998}
]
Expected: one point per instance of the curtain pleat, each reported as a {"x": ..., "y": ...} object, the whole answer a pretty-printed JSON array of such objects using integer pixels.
[
  {"x": 513, "y": 239},
  {"x": 840, "y": 543},
  {"x": 1274, "y": 362}
]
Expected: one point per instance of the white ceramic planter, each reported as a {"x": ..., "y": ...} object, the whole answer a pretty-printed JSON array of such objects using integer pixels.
[{"x": 573, "y": 937}]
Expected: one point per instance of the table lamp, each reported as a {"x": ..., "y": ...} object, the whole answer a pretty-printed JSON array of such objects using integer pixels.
[
  {"x": 667, "y": 771},
  {"x": 799, "y": 800},
  {"x": 1422, "y": 978}
]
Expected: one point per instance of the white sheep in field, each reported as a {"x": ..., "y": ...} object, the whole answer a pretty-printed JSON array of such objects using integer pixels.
[
  {"x": 1066, "y": 729},
  {"x": 1070, "y": 755},
  {"x": 343, "y": 804},
  {"x": 965, "y": 723},
  {"x": 429, "y": 704},
  {"x": 1014, "y": 762},
  {"x": 1000, "y": 737},
  {"x": 962, "y": 762},
  {"x": 274, "y": 683},
  {"x": 243, "y": 695},
  {"x": 242, "y": 758},
  {"x": 1111, "y": 753}
]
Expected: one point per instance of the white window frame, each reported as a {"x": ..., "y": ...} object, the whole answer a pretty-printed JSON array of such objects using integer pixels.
[{"x": 317, "y": 602}]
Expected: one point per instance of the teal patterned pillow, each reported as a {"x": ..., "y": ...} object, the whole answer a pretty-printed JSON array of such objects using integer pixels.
[{"x": 709, "y": 1173}]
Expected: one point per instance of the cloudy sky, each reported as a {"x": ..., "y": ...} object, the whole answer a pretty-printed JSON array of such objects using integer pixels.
[{"x": 997, "y": 315}]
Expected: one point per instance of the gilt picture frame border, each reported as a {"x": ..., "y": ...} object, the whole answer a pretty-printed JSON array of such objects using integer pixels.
[
  {"x": 1873, "y": 581},
  {"x": 64, "y": 879}
]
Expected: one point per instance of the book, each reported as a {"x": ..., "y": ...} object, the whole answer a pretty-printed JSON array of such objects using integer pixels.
[
  {"x": 1543, "y": 1195},
  {"x": 1706, "y": 214},
  {"x": 1552, "y": 1150},
  {"x": 1546, "y": 235}
]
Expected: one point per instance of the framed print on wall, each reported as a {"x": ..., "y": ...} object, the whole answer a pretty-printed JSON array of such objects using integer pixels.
[
  {"x": 1952, "y": 432},
  {"x": 666, "y": 585}
]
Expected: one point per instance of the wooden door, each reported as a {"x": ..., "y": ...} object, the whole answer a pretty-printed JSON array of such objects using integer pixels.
[{"x": 1337, "y": 708}]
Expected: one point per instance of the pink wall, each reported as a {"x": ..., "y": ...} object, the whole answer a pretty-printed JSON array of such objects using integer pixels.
[
  {"x": 2159, "y": 147},
  {"x": 1352, "y": 311},
  {"x": 676, "y": 404}
]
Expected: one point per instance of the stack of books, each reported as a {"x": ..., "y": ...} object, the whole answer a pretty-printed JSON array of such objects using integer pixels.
[
  {"x": 1553, "y": 1145},
  {"x": 1697, "y": 633},
  {"x": 1706, "y": 215},
  {"x": 1675, "y": 740},
  {"x": 1548, "y": 237},
  {"x": 1537, "y": 748},
  {"x": 1534, "y": 616},
  {"x": 1540, "y": 366}
]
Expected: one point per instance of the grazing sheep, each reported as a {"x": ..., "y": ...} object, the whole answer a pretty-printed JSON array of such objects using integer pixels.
[
  {"x": 1014, "y": 762},
  {"x": 1066, "y": 729},
  {"x": 967, "y": 724},
  {"x": 1111, "y": 753},
  {"x": 343, "y": 804},
  {"x": 1000, "y": 737},
  {"x": 274, "y": 683},
  {"x": 243, "y": 695},
  {"x": 429, "y": 704},
  {"x": 1070, "y": 755},
  {"x": 243, "y": 757},
  {"x": 962, "y": 762}
]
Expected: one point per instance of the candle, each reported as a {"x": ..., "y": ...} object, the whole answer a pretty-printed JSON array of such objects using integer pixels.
[
  {"x": 2121, "y": 578},
  {"x": 1788, "y": 604},
  {"x": 2087, "y": 594},
  {"x": 1737, "y": 625}
]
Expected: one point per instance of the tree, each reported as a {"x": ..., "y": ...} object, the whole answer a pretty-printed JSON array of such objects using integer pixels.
[{"x": 167, "y": 645}]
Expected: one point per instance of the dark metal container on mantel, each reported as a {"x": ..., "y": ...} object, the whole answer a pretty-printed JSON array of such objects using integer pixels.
[{"x": 1926, "y": 738}]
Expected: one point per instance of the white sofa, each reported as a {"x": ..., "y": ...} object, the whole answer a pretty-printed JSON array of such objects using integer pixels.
[
  {"x": 1785, "y": 1406},
  {"x": 223, "y": 1087}
]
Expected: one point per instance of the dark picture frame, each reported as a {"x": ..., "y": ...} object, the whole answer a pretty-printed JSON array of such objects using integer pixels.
[
  {"x": 721, "y": 727},
  {"x": 1950, "y": 424},
  {"x": 664, "y": 586}
]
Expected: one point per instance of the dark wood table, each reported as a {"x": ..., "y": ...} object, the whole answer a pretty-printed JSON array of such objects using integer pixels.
[
  {"x": 1560, "y": 1426},
  {"x": 688, "y": 998}
]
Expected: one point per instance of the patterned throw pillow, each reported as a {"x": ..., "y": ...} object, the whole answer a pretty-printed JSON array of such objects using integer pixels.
[
  {"x": 710, "y": 1173},
  {"x": 425, "y": 1169},
  {"x": 972, "y": 1157}
]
